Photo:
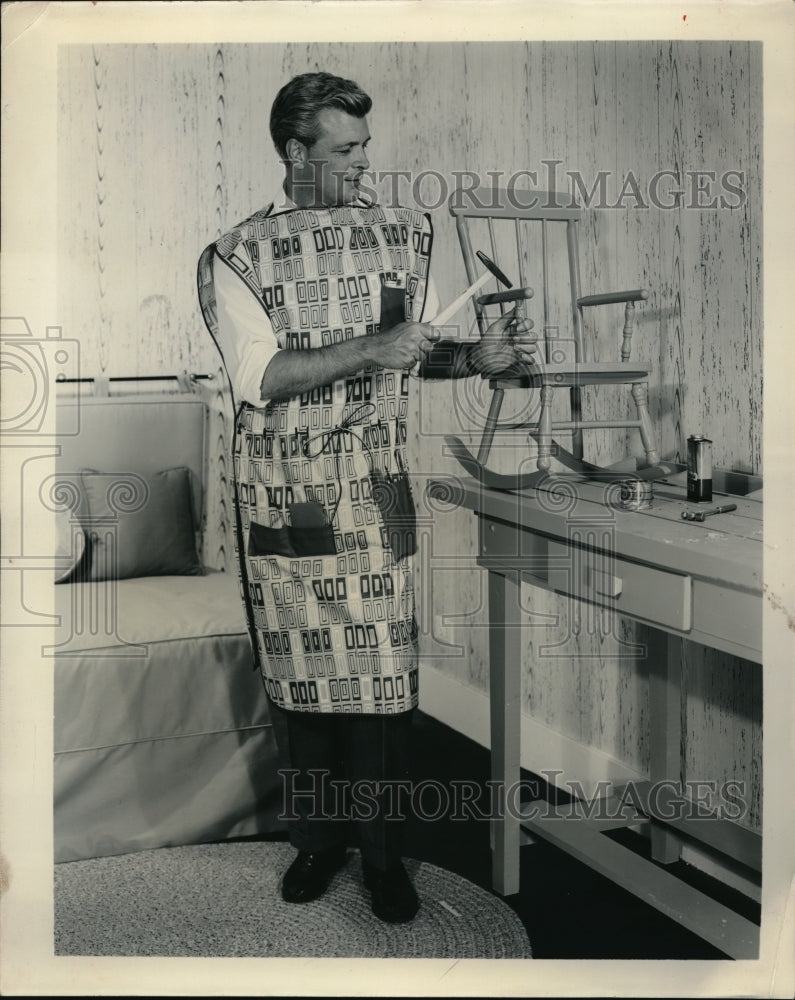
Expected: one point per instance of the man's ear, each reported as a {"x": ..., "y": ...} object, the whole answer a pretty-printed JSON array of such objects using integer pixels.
[{"x": 296, "y": 152}]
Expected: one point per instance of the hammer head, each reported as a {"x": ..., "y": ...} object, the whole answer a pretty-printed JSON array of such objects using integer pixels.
[{"x": 491, "y": 266}]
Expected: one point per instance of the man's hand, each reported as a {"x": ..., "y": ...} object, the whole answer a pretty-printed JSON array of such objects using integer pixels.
[
  {"x": 507, "y": 341},
  {"x": 405, "y": 344}
]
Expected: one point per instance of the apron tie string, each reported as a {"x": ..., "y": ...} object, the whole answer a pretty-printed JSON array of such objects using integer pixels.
[{"x": 357, "y": 416}]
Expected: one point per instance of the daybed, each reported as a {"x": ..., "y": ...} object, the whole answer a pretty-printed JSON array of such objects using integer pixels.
[{"x": 162, "y": 730}]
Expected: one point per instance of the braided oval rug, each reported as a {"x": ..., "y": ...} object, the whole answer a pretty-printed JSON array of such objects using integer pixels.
[{"x": 216, "y": 900}]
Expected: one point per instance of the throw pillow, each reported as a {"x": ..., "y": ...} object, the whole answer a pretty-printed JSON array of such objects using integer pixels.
[
  {"x": 140, "y": 527},
  {"x": 70, "y": 545}
]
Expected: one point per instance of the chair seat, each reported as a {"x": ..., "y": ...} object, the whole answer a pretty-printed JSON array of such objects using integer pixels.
[{"x": 571, "y": 375}]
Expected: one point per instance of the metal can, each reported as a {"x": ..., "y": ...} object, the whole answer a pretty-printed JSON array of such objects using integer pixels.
[
  {"x": 699, "y": 469},
  {"x": 636, "y": 494}
]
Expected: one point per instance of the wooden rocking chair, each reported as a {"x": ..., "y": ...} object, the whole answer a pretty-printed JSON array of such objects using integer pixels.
[{"x": 504, "y": 217}]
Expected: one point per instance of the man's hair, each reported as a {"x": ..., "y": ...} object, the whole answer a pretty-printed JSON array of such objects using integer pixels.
[{"x": 295, "y": 110}]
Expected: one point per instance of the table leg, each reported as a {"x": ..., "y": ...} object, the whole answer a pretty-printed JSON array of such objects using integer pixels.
[
  {"x": 665, "y": 731},
  {"x": 505, "y": 710}
]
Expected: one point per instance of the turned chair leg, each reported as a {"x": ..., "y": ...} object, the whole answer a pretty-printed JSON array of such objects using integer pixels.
[
  {"x": 545, "y": 429},
  {"x": 491, "y": 426},
  {"x": 640, "y": 393}
]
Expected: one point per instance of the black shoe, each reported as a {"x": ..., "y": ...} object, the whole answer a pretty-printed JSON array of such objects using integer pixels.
[
  {"x": 309, "y": 875},
  {"x": 392, "y": 895}
]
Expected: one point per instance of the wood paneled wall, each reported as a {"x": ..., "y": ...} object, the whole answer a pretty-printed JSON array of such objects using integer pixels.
[{"x": 164, "y": 147}]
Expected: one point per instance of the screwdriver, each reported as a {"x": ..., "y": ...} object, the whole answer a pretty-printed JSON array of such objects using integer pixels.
[{"x": 689, "y": 515}]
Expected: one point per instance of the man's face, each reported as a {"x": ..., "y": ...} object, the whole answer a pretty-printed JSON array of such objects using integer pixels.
[{"x": 335, "y": 161}]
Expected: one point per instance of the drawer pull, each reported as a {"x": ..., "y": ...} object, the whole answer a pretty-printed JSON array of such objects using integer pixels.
[{"x": 606, "y": 584}]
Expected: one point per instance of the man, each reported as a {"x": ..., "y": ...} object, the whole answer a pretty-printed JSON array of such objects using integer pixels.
[{"x": 319, "y": 306}]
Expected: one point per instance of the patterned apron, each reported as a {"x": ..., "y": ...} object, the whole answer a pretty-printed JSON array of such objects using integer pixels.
[{"x": 325, "y": 519}]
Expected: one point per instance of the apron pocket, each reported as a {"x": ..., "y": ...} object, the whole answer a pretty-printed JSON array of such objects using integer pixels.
[
  {"x": 392, "y": 494},
  {"x": 393, "y": 307},
  {"x": 316, "y": 541},
  {"x": 310, "y": 530},
  {"x": 291, "y": 541},
  {"x": 264, "y": 541}
]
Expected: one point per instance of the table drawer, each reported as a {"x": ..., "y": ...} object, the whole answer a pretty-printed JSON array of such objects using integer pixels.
[
  {"x": 508, "y": 543},
  {"x": 630, "y": 588}
]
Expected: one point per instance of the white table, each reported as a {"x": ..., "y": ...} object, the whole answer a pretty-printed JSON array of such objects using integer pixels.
[{"x": 686, "y": 580}]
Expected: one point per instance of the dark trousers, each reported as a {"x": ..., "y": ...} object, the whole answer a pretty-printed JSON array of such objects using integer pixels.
[{"x": 340, "y": 775}]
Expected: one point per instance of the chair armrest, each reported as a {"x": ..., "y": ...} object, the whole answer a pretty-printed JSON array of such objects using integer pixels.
[
  {"x": 630, "y": 298},
  {"x": 605, "y": 298},
  {"x": 513, "y": 295}
]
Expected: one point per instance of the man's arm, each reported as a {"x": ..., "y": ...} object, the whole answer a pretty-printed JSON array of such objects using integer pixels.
[
  {"x": 260, "y": 371},
  {"x": 292, "y": 373}
]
